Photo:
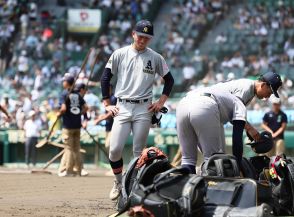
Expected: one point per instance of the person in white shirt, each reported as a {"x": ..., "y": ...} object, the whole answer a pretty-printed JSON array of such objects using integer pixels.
[
  {"x": 189, "y": 75},
  {"x": 32, "y": 129}
]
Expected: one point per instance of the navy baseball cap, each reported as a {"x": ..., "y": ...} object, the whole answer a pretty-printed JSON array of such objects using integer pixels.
[
  {"x": 144, "y": 28},
  {"x": 68, "y": 78},
  {"x": 80, "y": 86},
  {"x": 273, "y": 80}
]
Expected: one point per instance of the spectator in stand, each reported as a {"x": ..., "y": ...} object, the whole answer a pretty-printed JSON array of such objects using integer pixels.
[
  {"x": 38, "y": 83},
  {"x": 189, "y": 75},
  {"x": 23, "y": 63},
  {"x": 24, "y": 20},
  {"x": 33, "y": 11},
  {"x": 237, "y": 60},
  {"x": 289, "y": 49},
  {"x": 220, "y": 39},
  {"x": 32, "y": 128}
]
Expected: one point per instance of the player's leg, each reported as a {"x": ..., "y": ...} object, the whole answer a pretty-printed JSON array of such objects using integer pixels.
[
  {"x": 76, "y": 150},
  {"x": 140, "y": 129},
  {"x": 141, "y": 123},
  {"x": 66, "y": 163},
  {"x": 71, "y": 156},
  {"x": 120, "y": 131},
  {"x": 187, "y": 137}
]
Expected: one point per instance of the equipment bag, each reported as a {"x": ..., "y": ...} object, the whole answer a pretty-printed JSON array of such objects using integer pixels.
[
  {"x": 237, "y": 192},
  {"x": 149, "y": 165},
  {"x": 282, "y": 179},
  {"x": 264, "y": 210},
  {"x": 248, "y": 169},
  {"x": 173, "y": 193},
  {"x": 222, "y": 165},
  {"x": 259, "y": 163}
]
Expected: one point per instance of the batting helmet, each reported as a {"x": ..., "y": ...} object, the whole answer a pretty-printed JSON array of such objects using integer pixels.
[{"x": 264, "y": 144}]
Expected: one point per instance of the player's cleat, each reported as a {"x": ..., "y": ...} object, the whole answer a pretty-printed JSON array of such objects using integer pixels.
[{"x": 115, "y": 191}]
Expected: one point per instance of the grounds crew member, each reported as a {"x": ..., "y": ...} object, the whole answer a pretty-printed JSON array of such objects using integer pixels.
[
  {"x": 72, "y": 107},
  {"x": 135, "y": 67}
]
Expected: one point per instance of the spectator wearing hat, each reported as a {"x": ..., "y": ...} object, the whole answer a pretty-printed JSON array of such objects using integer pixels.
[
  {"x": 275, "y": 122},
  {"x": 32, "y": 128},
  {"x": 72, "y": 107},
  {"x": 23, "y": 63}
]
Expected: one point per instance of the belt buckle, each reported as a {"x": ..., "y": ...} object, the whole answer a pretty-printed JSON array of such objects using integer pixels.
[{"x": 132, "y": 101}]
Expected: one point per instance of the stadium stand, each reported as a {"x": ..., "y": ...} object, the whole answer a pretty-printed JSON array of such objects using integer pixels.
[{"x": 36, "y": 50}]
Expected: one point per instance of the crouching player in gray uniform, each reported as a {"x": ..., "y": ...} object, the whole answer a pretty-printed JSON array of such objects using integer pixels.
[
  {"x": 202, "y": 114},
  {"x": 135, "y": 67}
]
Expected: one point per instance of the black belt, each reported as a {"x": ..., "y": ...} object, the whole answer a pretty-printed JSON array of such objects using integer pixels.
[
  {"x": 134, "y": 101},
  {"x": 206, "y": 94}
]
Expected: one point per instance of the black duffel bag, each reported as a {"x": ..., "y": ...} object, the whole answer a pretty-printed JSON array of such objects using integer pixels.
[
  {"x": 221, "y": 165},
  {"x": 282, "y": 179},
  {"x": 260, "y": 163},
  {"x": 145, "y": 175},
  {"x": 264, "y": 210},
  {"x": 173, "y": 193}
]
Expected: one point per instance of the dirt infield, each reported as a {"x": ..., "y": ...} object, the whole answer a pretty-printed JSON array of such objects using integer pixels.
[{"x": 25, "y": 194}]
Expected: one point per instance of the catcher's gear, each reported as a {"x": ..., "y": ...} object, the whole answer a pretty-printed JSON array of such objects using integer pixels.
[
  {"x": 149, "y": 154},
  {"x": 156, "y": 117},
  {"x": 264, "y": 144}
]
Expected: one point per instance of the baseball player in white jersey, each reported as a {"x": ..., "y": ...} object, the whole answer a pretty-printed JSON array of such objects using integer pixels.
[
  {"x": 202, "y": 113},
  {"x": 135, "y": 67}
]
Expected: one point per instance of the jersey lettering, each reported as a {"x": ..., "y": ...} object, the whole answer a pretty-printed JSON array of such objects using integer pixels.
[
  {"x": 74, "y": 103},
  {"x": 148, "y": 68}
]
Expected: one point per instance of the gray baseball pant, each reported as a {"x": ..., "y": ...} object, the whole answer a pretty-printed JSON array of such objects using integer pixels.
[
  {"x": 199, "y": 126},
  {"x": 133, "y": 118}
]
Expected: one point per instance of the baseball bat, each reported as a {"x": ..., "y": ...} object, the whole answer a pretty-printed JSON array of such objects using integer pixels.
[{"x": 44, "y": 141}]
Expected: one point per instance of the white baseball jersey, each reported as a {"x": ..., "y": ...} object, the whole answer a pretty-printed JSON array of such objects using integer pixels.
[
  {"x": 230, "y": 107},
  {"x": 136, "y": 71},
  {"x": 241, "y": 88}
]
